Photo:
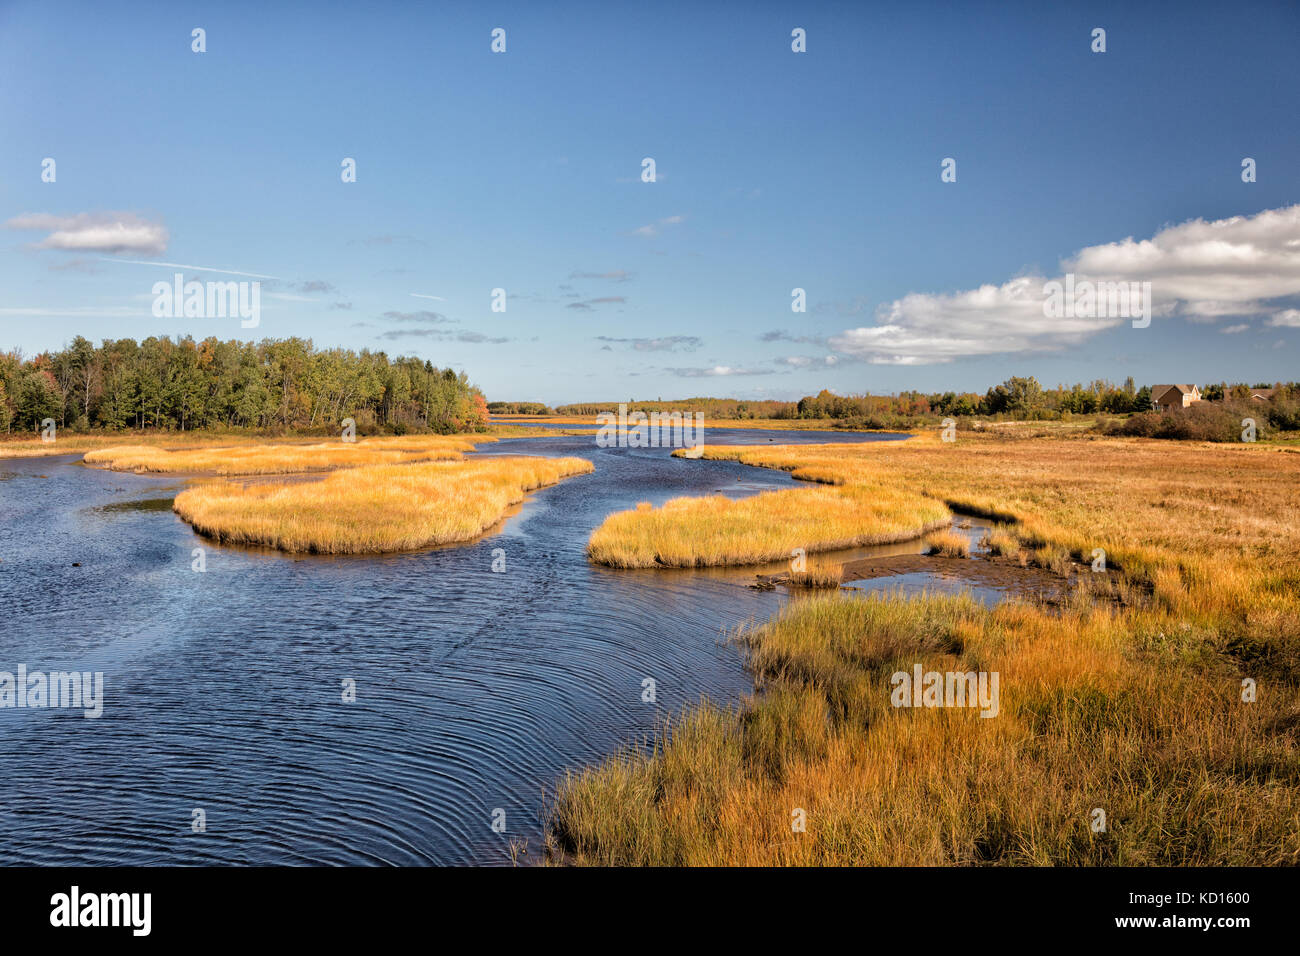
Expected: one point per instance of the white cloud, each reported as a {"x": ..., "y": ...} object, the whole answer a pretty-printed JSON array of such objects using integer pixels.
[
  {"x": 808, "y": 361},
  {"x": 1234, "y": 329},
  {"x": 1208, "y": 268},
  {"x": 921, "y": 329},
  {"x": 112, "y": 232},
  {"x": 717, "y": 371},
  {"x": 1199, "y": 270}
]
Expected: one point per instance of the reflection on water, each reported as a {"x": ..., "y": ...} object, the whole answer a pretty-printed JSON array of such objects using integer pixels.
[
  {"x": 474, "y": 689},
  {"x": 925, "y": 582},
  {"x": 142, "y": 504}
]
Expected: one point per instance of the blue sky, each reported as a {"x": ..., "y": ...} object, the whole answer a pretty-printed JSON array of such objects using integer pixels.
[{"x": 776, "y": 170}]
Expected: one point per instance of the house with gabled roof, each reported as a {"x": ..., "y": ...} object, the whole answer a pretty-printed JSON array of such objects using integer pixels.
[{"x": 1166, "y": 398}]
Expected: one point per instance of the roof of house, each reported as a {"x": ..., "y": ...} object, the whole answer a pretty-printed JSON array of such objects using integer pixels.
[
  {"x": 1264, "y": 392},
  {"x": 1161, "y": 389}
]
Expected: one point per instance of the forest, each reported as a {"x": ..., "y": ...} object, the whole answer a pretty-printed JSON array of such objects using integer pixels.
[{"x": 273, "y": 385}]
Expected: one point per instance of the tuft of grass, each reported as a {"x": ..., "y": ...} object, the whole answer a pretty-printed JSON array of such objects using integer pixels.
[
  {"x": 818, "y": 575},
  {"x": 702, "y": 532},
  {"x": 950, "y": 544},
  {"x": 1001, "y": 543},
  {"x": 372, "y": 509}
]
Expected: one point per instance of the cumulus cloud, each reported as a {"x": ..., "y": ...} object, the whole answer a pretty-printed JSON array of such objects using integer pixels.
[
  {"x": 1198, "y": 270},
  {"x": 110, "y": 232},
  {"x": 924, "y": 329},
  {"x": 1287, "y": 318},
  {"x": 1211, "y": 267}
]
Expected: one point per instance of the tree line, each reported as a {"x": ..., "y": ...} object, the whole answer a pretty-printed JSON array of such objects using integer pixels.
[
  {"x": 276, "y": 384},
  {"x": 1020, "y": 397}
]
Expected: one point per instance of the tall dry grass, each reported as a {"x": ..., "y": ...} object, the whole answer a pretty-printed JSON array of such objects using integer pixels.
[
  {"x": 950, "y": 544},
  {"x": 1134, "y": 708},
  {"x": 702, "y": 532},
  {"x": 374, "y": 508}
]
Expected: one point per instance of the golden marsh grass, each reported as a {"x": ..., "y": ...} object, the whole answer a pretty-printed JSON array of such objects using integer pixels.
[
  {"x": 373, "y": 508},
  {"x": 1135, "y": 708},
  {"x": 712, "y": 531},
  {"x": 950, "y": 544},
  {"x": 818, "y": 574}
]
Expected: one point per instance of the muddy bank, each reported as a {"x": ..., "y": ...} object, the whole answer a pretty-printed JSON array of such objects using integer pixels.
[
  {"x": 1003, "y": 572},
  {"x": 1006, "y": 574}
]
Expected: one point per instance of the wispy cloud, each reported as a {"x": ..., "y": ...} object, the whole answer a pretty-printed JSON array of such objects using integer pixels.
[
  {"x": 653, "y": 229},
  {"x": 443, "y": 335},
  {"x": 76, "y": 265},
  {"x": 429, "y": 318},
  {"x": 670, "y": 343},
  {"x": 810, "y": 361},
  {"x": 180, "y": 265},
  {"x": 716, "y": 371},
  {"x": 586, "y": 305},
  {"x": 780, "y": 335},
  {"x": 614, "y": 275}
]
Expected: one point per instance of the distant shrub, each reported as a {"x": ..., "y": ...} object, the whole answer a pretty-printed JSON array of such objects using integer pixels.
[
  {"x": 1284, "y": 415},
  {"x": 1205, "y": 421}
]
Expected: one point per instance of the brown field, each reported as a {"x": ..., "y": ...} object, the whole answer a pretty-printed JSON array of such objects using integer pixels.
[{"x": 1133, "y": 706}]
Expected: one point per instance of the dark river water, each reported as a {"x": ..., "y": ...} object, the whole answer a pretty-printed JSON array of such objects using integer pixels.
[{"x": 475, "y": 690}]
